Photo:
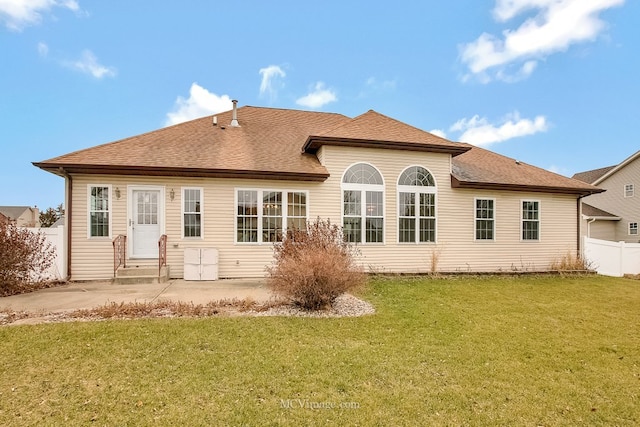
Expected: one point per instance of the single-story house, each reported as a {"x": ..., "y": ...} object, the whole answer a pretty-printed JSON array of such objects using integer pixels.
[
  {"x": 21, "y": 216},
  {"x": 235, "y": 182},
  {"x": 615, "y": 214}
]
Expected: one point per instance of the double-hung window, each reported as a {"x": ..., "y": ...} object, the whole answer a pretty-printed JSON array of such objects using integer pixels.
[
  {"x": 265, "y": 215},
  {"x": 363, "y": 204},
  {"x": 416, "y": 206},
  {"x": 633, "y": 228},
  {"x": 99, "y": 211},
  {"x": 485, "y": 219},
  {"x": 192, "y": 212},
  {"x": 628, "y": 190},
  {"x": 530, "y": 220}
]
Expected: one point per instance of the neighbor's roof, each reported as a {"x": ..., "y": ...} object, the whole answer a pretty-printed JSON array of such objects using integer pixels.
[
  {"x": 599, "y": 175},
  {"x": 13, "y": 212},
  {"x": 484, "y": 169},
  {"x": 593, "y": 212},
  {"x": 593, "y": 175}
]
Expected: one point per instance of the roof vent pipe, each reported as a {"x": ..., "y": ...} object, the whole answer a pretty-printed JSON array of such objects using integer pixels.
[{"x": 234, "y": 117}]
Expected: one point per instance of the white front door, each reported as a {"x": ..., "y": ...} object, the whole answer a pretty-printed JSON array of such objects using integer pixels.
[{"x": 145, "y": 224}]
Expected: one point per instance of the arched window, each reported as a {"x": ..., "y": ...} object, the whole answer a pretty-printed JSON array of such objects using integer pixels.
[
  {"x": 363, "y": 204},
  {"x": 416, "y": 206}
]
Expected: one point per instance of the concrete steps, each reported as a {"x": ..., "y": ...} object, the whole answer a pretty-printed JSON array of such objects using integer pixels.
[{"x": 138, "y": 274}]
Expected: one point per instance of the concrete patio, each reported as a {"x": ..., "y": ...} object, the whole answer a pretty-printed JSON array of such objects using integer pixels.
[{"x": 84, "y": 295}]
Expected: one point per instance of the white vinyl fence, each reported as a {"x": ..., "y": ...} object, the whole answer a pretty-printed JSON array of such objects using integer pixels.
[
  {"x": 55, "y": 236},
  {"x": 612, "y": 258}
]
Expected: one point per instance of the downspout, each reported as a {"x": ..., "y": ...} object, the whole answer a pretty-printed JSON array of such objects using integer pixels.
[
  {"x": 579, "y": 212},
  {"x": 67, "y": 217},
  {"x": 579, "y": 218}
]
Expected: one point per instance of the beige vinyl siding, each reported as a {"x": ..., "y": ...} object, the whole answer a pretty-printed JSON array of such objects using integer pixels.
[
  {"x": 603, "y": 230},
  {"x": 455, "y": 247},
  {"x": 507, "y": 252},
  {"x": 92, "y": 258},
  {"x": 614, "y": 201}
]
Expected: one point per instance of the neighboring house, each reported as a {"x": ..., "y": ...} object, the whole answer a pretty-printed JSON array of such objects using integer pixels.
[
  {"x": 614, "y": 214},
  {"x": 59, "y": 222},
  {"x": 22, "y": 216},
  {"x": 413, "y": 202}
]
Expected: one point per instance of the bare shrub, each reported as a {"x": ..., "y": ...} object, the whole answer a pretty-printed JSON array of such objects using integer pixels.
[
  {"x": 570, "y": 261},
  {"x": 435, "y": 260},
  {"x": 314, "y": 266},
  {"x": 25, "y": 257}
]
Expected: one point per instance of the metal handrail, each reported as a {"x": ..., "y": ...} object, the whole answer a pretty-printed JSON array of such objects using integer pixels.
[
  {"x": 119, "y": 252},
  {"x": 162, "y": 253}
]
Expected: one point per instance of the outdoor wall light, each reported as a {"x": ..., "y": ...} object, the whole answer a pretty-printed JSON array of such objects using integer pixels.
[
  {"x": 172, "y": 194},
  {"x": 118, "y": 193}
]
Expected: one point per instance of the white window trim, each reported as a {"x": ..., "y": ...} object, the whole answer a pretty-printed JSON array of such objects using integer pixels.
[
  {"x": 522, "y": 220},
  {"x": 110, "y": 211},
  {"x": 632, "y": 190},
  {"x": 363, "y": 188},
  {"x": 285, "y": 211},
  {"x": 495, "y": 210},
  {"x": 629, "y": 229},
  {"x": 182, "y": 213},
  {"x": 416, "y": 189}
]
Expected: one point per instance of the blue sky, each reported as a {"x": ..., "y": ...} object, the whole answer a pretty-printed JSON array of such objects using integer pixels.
[{"x": 553, "y": 83}]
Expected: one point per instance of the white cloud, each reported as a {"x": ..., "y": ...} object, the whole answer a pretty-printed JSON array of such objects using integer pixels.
[
  {"x": 43, "y": 49},
  {"x": 318, "y": 97},
  {"x": 556, "y": 26},
  {"x": 438, "y": 132},
  {"x": 270, "y": 83},
  {"x": 88, "y": 64},
  {"x": 479, "y": 131},
  {"x": 559, "y": 170},
  {"x": 373, "y": 83},
  {"x": 18, "y": 14},
  {"x": 200, "y": 103}
]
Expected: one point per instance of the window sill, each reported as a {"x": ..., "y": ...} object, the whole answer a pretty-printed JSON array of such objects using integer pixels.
[{"x": 418, "y": 243}]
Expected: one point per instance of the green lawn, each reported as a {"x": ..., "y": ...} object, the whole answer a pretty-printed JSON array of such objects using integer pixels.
[{"x": 454, "y": 351}]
